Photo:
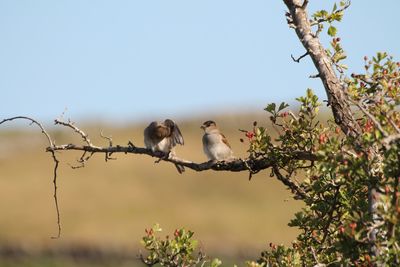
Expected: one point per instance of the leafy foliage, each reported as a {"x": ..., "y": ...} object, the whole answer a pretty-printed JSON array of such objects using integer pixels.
[
  {"x": 337, "y": 225},
  {"x": 176, "y": 251},
  {"x": 351, "y": 192}
]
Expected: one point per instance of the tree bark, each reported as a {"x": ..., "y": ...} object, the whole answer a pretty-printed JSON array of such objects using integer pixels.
[{"x": 334, "y": 88}]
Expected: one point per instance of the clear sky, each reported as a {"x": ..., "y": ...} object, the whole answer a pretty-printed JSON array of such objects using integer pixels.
[{"x": 135, "y": 60}]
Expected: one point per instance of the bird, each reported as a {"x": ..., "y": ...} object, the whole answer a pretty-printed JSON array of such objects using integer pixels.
[
  {"x": 215, "y": 144},
  {"x": 163, "y": 137}
]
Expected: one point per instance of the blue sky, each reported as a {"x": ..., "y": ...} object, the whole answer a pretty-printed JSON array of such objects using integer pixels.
[{"x": 136, "y": 60}]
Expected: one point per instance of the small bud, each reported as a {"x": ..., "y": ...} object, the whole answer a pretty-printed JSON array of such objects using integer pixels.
[
  {"x": 365, "y": 58},
  {"x": 176, "y": 233},
  {"x": 255, "y": 123},
  {"x": 353, "y": 75},
  {"x": 384, "y": 71},
  {"x": 367, "y": 258},
  {"x": 341, "y": 229},
  {"x": 241, "y": 140},
  {"x": 338, "y": 39},
  {"x": 387, "y": 189},
  {"x": 250, "y": 135}
]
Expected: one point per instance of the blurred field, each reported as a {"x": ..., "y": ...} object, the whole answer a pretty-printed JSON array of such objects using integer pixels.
[{"x": 107, "y": 206}]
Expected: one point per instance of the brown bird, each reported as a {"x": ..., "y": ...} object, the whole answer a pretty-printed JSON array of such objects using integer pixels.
[
  {"x": 163, "y": 137},
  {"x": 215, "y": 144}
]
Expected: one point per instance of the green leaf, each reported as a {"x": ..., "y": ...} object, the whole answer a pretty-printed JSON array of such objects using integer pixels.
[
  {"x": 216, "y": 262},
  {"x": 271, "y": 108},
  {"x": 283, "y": 105},
  {"x": 332, "y": 31}
]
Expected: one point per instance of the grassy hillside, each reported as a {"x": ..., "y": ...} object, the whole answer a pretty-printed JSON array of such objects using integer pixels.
[{"x": 108, "y": 205}]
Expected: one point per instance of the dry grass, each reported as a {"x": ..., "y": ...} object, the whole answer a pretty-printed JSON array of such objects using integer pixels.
[{"x": 110, "y": 204}]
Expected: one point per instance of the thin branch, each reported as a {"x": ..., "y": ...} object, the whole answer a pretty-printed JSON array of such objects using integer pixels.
[
  {"x": 390, "y": 139},
  {"x": 314, "y": 76},
  {"x": 71, "y": 125},
  {"x": 299, "y": 58},
  {"x": 330, "y": 215},
  {"x": 322, "y": 20},
  {"x": 32, "y": 122},
  {"x": 53, "y": 155},
  {"x": 371, "y": 117},
  {"x": 304, "y": 5},
  {"x": 394, "y": 125},
  {"x": 297, "y": 190}
]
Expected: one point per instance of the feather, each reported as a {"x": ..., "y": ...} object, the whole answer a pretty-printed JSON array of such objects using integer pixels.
[{"x": 225, "y": 141}]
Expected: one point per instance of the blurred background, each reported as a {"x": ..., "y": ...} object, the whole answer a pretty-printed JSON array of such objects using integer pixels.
[{"x": 115, "y": 66}]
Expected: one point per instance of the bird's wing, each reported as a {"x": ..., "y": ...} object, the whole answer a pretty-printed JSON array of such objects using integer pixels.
[
  {"x": 225, "y": 141},
  {"x": 177, "y": 135}
]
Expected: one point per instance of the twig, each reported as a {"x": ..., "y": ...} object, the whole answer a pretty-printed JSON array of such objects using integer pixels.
[
  {"x": 371, "y": 117},
  {"x": 299, "y": 58},
  {"x": 300, "y": 194},
  {"x": 314, "y": 76},
  {"x": 53, "y": 155},
  {"x": 321, "y": 20},
  {"x": 71, "y": 125}
]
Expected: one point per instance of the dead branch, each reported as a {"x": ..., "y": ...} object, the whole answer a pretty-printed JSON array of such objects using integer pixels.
[
  {"x": 236, "y": 165},
  {"x": 299, "y": 58},
  {"x": 253, "y": 165},
  {"x": 56, "y": 162}
]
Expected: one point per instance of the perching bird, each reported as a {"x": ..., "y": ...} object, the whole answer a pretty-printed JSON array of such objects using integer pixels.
[
  {"x": 215, "y": 145},
  {"x": 163, "y": 137}
]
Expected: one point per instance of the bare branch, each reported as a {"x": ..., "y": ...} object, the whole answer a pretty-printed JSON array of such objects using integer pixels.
[
  {"x": 32, "y": 122},
  {"x": 299, "y": 192},
  {"x": 71, "y": 125},
  {"x": 53, "y": 155},
  {"x": 299, "y": 58},
  {"x": 314, "y": 76},
  {"x": 236, "y": 165}
]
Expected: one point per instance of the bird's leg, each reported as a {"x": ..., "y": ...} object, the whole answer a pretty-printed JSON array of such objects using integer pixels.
[{"x": 161, "y": 156}]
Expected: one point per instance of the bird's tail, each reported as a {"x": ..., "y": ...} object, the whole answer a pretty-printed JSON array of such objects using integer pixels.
[{"x": 180, "y": 168}]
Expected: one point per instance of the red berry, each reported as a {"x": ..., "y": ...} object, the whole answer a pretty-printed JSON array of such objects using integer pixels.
[
  {"x": 323, "y": 138},
  {"x": 176, "y": 233},
  {"x": 250, "y": 135}
]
